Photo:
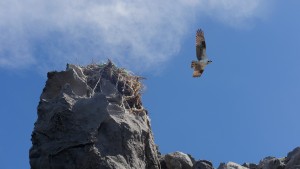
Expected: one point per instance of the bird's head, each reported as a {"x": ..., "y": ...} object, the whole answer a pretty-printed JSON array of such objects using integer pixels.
[{"x": 208, "y": 62}]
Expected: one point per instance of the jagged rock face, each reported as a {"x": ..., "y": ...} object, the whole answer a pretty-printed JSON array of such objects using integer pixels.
[
  {"x": 92, "y": 118},
  {"x": 203, "y": 164},
  {"x": 293, "y": 159},
  {"x": 272, "y": 163},
  {"x": 231, "y": 165},
  {"x": 178, "y": 160},
  {"x": 250, "y": 165}
]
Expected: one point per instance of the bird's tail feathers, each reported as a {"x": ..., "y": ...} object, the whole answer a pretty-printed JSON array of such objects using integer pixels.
[{"x": 197, "y": 73}]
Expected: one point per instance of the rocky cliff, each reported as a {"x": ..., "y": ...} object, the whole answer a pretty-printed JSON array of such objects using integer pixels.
[{"x": 92, "y": 117}]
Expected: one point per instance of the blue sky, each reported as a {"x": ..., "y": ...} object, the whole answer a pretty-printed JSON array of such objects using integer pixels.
[{"x": 243, "y": 108}]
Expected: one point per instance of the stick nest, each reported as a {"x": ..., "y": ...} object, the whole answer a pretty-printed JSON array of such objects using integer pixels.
[{"x": 127, "y": 84}]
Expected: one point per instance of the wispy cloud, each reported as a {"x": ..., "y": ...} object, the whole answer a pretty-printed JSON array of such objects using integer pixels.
[
  {"x": 136, "y": 33},
  {"x": 236, "y": 13}
]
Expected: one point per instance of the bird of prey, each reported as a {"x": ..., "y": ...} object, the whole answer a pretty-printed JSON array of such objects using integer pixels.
[{"x": 199, "y": 65}]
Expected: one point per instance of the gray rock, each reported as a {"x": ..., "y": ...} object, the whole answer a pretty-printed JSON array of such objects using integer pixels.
[
  {"x": 192, "y": 158},
  {"x": 203, "y": 164},
  {"x": 250, "y": 165},
  {"x": 293, "y": 159},
  {"x": 178, "y": 160},
  {"x": 231, "y": 165},
  {"x": 294, "y": 152},
  {"x": 162, "y": 161},
  {"x": 90, "y": 119},
  {"x": 272, "y": 163}
]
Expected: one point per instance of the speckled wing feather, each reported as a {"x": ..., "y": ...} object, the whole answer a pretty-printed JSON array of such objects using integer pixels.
[
  {"x": 200, "y": 45},
  {"x": 197, "y": 69}
]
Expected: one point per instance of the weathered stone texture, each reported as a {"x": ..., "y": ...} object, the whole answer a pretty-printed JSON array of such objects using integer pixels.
[{"x": 85, "y": 121}]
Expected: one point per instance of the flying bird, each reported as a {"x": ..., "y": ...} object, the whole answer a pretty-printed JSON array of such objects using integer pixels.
[{"x": 199, "y": 65}]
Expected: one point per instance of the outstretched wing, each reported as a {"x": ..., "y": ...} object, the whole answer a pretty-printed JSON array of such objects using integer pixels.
[{"x": 200, "y": 45}]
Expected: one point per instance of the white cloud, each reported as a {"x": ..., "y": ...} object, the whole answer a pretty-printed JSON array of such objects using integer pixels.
[
  {"x": 136, "y": 33},
  {"x": 235, "y": 12}
]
